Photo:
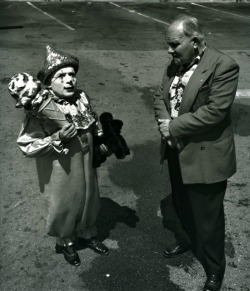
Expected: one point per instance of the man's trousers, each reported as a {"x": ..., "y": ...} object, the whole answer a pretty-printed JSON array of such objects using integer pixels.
[{"x": 200, "y": 221}]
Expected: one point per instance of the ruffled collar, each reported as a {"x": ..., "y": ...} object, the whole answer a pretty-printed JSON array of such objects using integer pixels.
[{"x": 71, "y": 100}]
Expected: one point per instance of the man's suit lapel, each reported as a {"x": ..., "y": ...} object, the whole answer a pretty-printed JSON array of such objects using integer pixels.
[{"x": 199, "y": 77}]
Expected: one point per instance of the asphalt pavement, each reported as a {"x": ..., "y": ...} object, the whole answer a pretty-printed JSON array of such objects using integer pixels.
[{"x": 122, "y": 56}]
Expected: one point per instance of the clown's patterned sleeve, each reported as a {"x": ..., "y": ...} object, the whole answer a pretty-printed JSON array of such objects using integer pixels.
[{"x": 33, "y": 141}]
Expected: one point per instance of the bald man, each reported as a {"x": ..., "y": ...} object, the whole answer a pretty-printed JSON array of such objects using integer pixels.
[{"x": 192, "y": 109}]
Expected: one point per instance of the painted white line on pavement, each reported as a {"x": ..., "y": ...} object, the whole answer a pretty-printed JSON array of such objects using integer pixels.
[
  {"x": 9, "y": 6},
  {"x": 221, "y": 11},
  {"x": 47, "y": 14},
  {"x": 140, "y": 14},
  {"x": 243, "y": 93}
]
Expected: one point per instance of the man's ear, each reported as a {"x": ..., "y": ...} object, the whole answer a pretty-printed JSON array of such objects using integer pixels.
[{"x": 196, "y": 41}]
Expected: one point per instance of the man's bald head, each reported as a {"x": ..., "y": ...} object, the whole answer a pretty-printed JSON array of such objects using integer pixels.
[
  {"x": 185, "y": 39},
  {"x": 189, "y": 26}
]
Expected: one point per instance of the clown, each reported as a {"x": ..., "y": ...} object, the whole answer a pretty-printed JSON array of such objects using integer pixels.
[{"x": 64, "y": 155}]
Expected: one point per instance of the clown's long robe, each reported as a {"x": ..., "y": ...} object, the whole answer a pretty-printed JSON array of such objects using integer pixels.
[{"x": 65, "y": 171}]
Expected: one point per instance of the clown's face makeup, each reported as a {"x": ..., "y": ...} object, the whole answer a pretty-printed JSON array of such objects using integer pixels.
[{"x": 63, "y": 83}]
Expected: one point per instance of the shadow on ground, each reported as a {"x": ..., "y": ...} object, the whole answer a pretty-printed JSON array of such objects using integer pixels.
[{"x": 110, "y": 214}]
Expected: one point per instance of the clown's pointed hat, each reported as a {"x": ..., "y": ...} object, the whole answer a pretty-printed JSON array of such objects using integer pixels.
[{"x": 55, "y": 60}]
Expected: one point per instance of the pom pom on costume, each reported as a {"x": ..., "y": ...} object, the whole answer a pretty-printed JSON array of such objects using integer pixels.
[
  {"x": 29, "y": 95},
  {"x": 26, "y": 91},
  {"x": 111, "y": 138}
]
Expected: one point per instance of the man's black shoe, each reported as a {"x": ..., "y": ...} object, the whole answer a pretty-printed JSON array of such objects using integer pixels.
[
  {"x": 97, "y": 246},
  {"x": 213, "y": 283},
  {"x": 170, "y": 253},
  {"x": 70, "y": 254}
]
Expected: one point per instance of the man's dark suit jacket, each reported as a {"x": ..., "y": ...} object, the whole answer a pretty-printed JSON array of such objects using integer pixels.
[{"x": 203, "y": 130}]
